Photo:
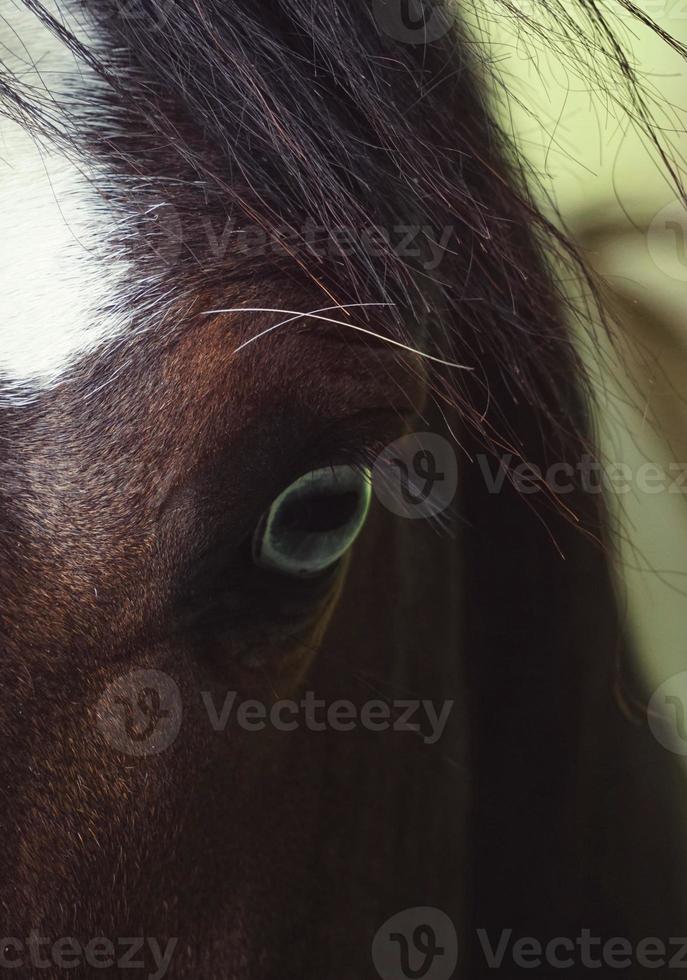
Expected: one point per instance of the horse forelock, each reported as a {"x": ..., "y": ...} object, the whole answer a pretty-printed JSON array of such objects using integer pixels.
[
  {"x": 153, "y": 138},
  {"x": 157, "y": 141}
]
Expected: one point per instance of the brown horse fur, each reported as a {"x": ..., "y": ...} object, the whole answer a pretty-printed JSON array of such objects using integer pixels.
[{"x": 130, "y": 488}]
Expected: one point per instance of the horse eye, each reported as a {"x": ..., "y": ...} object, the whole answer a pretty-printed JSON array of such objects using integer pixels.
[{"x": 312, "y": 524}]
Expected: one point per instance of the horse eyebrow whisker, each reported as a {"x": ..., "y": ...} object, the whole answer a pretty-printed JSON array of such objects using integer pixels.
[
  {"x": 296, "y": 316},
  {"x": 316, "y": 315}
]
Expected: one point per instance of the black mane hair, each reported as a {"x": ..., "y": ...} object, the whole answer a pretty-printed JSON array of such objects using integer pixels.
[{"x": 326, "y": 120}]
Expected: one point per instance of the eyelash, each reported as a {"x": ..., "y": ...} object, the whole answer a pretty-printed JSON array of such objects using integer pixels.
[
  {"x": 361, "y": 458},
  {"x": 355, "y": 441},
  {"x": 361, "y": 454}
]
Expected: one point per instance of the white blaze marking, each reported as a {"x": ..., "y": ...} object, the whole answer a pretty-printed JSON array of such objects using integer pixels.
[{"x": 55, "y": 282}]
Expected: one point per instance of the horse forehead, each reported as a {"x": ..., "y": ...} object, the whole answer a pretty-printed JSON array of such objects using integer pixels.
[{"x": 56, "y": 281}]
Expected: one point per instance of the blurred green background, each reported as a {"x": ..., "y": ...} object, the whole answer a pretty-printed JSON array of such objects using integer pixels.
[{"x": 570, "y": 116}]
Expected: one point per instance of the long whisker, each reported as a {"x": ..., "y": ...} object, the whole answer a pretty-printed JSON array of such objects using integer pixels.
[{"x": 296, "y": 314}]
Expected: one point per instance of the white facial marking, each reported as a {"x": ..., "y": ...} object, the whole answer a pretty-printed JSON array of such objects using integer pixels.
[{"x": 55, "y": 282}]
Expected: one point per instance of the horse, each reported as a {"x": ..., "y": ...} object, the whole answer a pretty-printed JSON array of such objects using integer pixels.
[{"x": 246, "y": 249}]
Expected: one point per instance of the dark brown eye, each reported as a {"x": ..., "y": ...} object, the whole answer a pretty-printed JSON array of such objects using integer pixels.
[{"x": 314, "y": 522}]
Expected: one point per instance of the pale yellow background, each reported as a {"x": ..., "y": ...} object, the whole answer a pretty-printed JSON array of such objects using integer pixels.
[{"x": 598, "y": 167}]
